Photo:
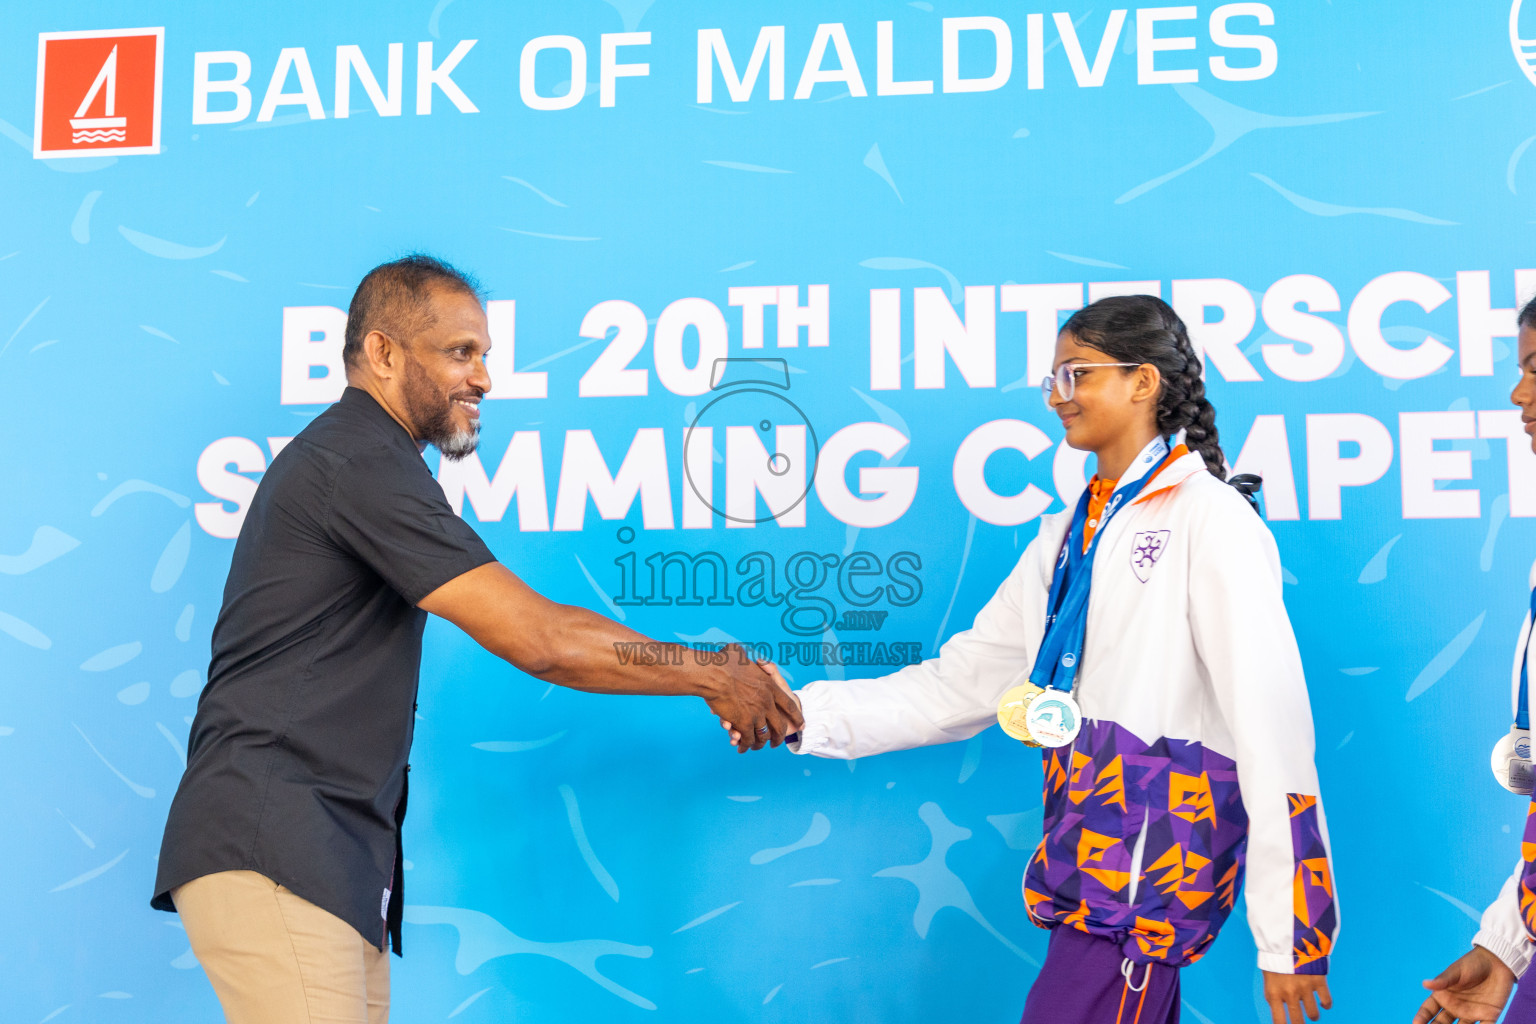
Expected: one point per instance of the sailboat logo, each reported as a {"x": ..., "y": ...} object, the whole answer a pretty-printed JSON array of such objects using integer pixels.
[
  {"x": 98, "y": 92},
  {"x": 1524, "y": 47},
  {"x": 109, "y": 127}
]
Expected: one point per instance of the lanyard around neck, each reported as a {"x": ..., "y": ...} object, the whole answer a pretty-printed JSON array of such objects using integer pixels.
[
  {"x": 1522, "y": 706},
  {"x": 1061, "y": 649}
]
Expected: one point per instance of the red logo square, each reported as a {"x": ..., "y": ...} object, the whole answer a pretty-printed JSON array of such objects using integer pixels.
[{"x": 98, "y": 92}]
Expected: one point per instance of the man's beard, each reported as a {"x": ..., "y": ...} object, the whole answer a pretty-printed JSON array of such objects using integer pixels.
[{"x": 432, "y": 413}]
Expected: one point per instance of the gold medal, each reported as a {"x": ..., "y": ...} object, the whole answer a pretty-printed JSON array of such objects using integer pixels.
[{"x": 1013, "y": 711}]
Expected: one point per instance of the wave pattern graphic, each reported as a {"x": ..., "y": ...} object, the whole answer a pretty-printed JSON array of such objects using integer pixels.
[
  {"x": 483, "y": 938},
  {"x": 938, "y": 887},
  {"x": 1228, "y": 123},
  {"x": 102, "y": 135},
  {"x": 1322, "y": 209}
]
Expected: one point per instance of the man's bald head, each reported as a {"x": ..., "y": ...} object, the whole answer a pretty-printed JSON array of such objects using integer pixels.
[{"x": 395, "y": 298}]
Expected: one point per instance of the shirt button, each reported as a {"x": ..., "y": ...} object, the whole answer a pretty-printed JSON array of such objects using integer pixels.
[{"x": 1093, "y": 522}]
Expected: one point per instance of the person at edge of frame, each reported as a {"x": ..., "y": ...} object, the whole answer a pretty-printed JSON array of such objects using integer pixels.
[
  {"x": 282, "y": 850},
  {"x": 1195, "y": 733},
  {"x": 1477, "y": 985}
]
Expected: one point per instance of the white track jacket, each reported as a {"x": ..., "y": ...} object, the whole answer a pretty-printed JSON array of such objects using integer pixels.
[{"x": 1194, "y": 762}]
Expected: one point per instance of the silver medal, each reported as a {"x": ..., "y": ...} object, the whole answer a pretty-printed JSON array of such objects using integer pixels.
[
  {"x": 1053, "y": 718},
  {"x": 1511, "y": 761}
]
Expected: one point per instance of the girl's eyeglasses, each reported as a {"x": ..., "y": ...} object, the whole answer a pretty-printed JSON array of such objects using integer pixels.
[{"x": 1064, "y": 380}]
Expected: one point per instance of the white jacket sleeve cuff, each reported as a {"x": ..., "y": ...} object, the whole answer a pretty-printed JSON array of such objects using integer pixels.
[
  {"x": 812, "y": 737},
  {"x": 1502, "y": 931},
  {"x": 1516, "y": 953},
  {"x": 819, "y": 706}
]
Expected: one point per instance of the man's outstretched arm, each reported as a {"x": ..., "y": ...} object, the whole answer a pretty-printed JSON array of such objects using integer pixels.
[{"x": 575, "y": 647}]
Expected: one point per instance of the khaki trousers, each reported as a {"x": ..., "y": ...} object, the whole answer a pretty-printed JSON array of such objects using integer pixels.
[{"x": 275, "y": 958}]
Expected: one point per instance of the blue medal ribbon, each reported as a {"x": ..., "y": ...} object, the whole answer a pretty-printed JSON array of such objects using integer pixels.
[
  {"x": 1522, "y": 707},
  {"x": 1066, "y": 621}
]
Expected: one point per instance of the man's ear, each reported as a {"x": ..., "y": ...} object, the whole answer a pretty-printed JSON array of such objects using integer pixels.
[{"x": 382, "y": 354}]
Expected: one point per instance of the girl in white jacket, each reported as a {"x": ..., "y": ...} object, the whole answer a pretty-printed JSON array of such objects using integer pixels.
[
  {"x": 1192, "y": 761},
  {"x": 1476, "y": 986}
]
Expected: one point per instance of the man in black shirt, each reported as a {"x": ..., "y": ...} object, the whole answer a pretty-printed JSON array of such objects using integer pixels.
[{"x": 282, "y": 849}]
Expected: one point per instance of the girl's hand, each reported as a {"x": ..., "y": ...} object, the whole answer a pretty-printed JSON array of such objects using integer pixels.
[{"x": 1291, "y": 993}]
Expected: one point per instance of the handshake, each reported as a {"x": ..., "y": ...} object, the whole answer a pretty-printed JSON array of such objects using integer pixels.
[{"x": 753, "y": 702}]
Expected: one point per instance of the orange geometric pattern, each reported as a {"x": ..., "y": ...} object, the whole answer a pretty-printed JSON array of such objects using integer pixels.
[
  {"x": 1078, "y": 918},
  {"x": 1311, "y": 874},
  {"x": 1227, "y": 887},
  {"x": 1032, "y": 901},
  {"x": 1055, "y": 776},
  {"x": 1189, "y": 797},
  {"x": 1136, "y": 838},
  {"x": 1080, "y": 786},
  {"x": 1154, "y": 938},
  {"x": 1199, "y": 949},
  {"x": 1300, "y": 802},
  {"x": 1091, "y": 847},
  {"x": 1528, "y": 873},
  {"x": 1312, "y": 897},
  {"x": 1112, "y": 784},
  {"x": 1182, "y": 878}
]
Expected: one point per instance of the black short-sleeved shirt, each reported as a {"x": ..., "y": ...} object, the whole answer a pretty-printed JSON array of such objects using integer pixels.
[{"x": 296, "y": 766}]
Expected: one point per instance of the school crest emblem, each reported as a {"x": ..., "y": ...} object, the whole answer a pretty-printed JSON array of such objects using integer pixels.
[{"x": 1146, "y": 548}]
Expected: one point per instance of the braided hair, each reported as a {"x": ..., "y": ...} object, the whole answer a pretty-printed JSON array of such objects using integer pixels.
[{"x": 1145, "y": 329}]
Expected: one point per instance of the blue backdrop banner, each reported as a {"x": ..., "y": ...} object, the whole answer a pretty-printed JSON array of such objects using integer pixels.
[{"x": 772, "y": 288}]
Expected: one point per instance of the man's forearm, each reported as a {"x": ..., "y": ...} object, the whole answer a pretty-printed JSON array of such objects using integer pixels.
[
  {"x": 587, "y": 651},
  {"x": 578, "y": 648},
  {"x": 562, "y": 643}
]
